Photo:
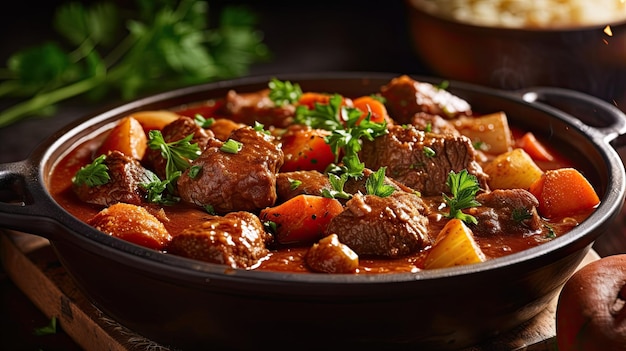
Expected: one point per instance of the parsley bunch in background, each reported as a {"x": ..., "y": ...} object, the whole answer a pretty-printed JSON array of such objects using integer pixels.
[{"x": 159, "y": 45}]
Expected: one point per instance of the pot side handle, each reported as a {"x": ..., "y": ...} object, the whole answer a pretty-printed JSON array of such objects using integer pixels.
[
  {"x": 23, "y": 204},
  {"x": 602, "y": 118}
]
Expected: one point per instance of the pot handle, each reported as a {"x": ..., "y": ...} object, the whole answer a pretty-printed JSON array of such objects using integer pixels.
[
  {"x": 601, "y": 117},
  {"x": 23, "y": 204}
]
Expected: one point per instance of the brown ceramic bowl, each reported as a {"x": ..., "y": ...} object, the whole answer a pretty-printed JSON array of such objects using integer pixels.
[
  {"x": 590, "y": 59},
  {"x": 192, "y": 305}
]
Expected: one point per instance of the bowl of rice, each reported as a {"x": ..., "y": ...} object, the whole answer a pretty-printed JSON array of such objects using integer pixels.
[{"x": 514, "y": 44}]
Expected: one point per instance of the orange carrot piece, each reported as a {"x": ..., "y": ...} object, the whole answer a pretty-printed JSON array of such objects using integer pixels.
[
  {"x": 302, "y": 219},
  {"x": 563, "y": 192},
  {"x": 375, "y": 107},
  {"x": 534, "y": 147}
]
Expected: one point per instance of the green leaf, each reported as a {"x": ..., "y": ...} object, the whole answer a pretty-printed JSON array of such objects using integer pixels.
[
  {"x": 94, "y": 174},
  {"x": 375, "y": 184},
  {"x": 463, "y": 187}
]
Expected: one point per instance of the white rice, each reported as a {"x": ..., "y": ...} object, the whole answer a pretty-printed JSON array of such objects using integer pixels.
[{"x": 528, "y": 13}]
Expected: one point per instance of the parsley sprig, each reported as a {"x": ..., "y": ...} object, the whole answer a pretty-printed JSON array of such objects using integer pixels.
[
  {"x": 375, "y": 184},
  {"x": 346, "y": 130},
  {"x": 178, "y": 156},
  {"x": 284, "y": 92},
  {"x": 463, "y": 187},
  {"x": 94, "y": 174},
  {"x": 177, "y": 153},
  {"x": 162, "y": 41}
]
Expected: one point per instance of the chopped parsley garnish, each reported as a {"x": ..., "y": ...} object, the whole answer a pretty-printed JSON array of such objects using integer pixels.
[
  {"x": 521, "y": 214},
  {"x": 346, "y": 130},
  {"x": 210, "y": 209},
  {"x": 231, "y": 146},
  {"x": 336, "y": 184},
  {"x": 49, "y": 329},
  {"x": 284, "y": 92},
  {"x": 156, "y": 190},
  {"x": 177, "y": 154},
  {"x": 93, "y": 174},
  {"x": 463, "y": 187},
  {"x": 203, "y": 122},
  {"x": 375, "y": 184},
  {"x": 294, "y": 183},
  {"x": 428, "y": 152},
  {"x": 194, "y": 171}
]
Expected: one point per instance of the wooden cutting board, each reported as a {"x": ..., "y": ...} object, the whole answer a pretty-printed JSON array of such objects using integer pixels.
[{"x": 33, "y": 266}]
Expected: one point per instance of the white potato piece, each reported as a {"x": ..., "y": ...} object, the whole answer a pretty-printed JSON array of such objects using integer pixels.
[
  {"x": 127, "y": 137},
  {"x": 512, "y": 170},
  {"x": 156, "y": 119},
  {"x": 454, "y": 246},
  {"x": 490, "y": 131}
]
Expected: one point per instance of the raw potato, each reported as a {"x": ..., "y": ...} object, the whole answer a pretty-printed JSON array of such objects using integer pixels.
[
  {"x": 454, "y": 246},
  {"x": 127, "y": 137},
  {"x": 491, "y": 131},
  {"x": 512, "y": 170},
  {"x": 157, "y": 119}
]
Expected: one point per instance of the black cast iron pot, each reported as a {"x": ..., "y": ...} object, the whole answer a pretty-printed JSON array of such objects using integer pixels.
[{"x": 188, "y": 304}]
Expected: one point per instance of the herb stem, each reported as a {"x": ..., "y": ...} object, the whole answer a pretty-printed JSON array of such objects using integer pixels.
[{"x": 37, "y": 102}]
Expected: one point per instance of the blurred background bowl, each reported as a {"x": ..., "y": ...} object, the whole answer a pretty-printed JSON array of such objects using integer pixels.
[{"x": 586, "y": 57}]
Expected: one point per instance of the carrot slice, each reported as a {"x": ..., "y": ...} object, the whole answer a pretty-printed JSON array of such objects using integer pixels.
[
  {"x": 534, "y": 147},
  {"x": 302, "y": 219},
  {"x": 563, "y": 192},
  {"x": 375, "y": 107}
]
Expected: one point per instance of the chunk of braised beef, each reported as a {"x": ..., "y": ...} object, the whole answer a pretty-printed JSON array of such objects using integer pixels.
[
  {"x": 405, "y": 97},
  {"x": 239, "y": 181},
  {"x": 392, "y": 226},
  {"x": 126, "y": 176},
  {"x": 422, "y": 161},
  {"x": 329, "y": 255},
  {"x": 248, "y": 108},
  {"x": 506, "y": 212},
  {"x": 237, "y": 240},
  {"x": 175, "y": 131},
  {"x": 433, "y": 124},
  {"x": 291, "y": 184}
]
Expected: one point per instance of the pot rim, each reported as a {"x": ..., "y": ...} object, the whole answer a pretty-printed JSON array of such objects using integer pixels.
[{"x": 102, "y": 244}]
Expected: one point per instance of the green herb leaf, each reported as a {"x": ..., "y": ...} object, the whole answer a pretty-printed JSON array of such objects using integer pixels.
[
  {"x": 157, "y": 190},
  {"x": 294, "y": 183},
  {"x": 284, "y": 92},
  {"x": 375, "y": 184},
  {"x": 337, "y": 183},
  {"x": 347, "y": 132},
  {"x": 203, "y": 122},
  {"x": 177, "y": 154},
  {"x": 94, "y": 174},
  {"x": 49, "y": 329},
  {"x": 463, "y": 187},
  {"x": 231, "y": 146}
]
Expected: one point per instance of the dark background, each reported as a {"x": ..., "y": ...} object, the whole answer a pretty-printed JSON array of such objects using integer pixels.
[{"x": 312, "y": 36}]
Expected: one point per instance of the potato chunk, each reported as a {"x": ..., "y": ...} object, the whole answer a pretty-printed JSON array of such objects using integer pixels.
[
  {"x": 132, "y": 223},
  {"x": 127, "y": 137},
  {"x": 489, "y": 133},
  {"x": 512, "y": 170},
  {"x": 454, "y": 246}
]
